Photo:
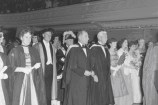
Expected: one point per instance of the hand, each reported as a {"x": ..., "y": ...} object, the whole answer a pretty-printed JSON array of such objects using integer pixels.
[
  {"x": 87, "y": 73},
  {"x": 3, "y": 76},
  {"x": 37, "y": 65},
  {"x": 92, "y": 73},
  {"x": 95, "y": 77},
  {"x": 59, "y": 76},
  {"x": 53, "y": 102},
  {"x": 26, "y": 70},
  {"x": 3, "y": 69}
]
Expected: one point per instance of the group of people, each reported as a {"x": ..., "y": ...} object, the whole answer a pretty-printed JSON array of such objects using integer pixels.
[{"x": 108, "y": 72}]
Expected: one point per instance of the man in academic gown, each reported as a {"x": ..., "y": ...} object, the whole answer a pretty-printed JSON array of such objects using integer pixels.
[
  {"x": 48, "y": 60},
  {"x": 101, "y": 92},
  {"x": 77, "y": 72}
]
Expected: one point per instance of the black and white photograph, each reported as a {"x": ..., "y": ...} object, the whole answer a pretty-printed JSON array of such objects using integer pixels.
[{"x": 78, "y": 52}]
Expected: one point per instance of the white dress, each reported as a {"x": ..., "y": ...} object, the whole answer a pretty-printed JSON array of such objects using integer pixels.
[
  {"x": 2, "y": 98},
  {"x": 135, "y": 79}
]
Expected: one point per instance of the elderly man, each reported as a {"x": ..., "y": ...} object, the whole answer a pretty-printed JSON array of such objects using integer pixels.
[
  {"x": 77, "y": 72},
  {"x": 101, "y": 92},
  {"x": 48, "y": 59}
]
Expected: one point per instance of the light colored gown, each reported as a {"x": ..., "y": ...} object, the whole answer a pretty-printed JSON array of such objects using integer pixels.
[
  {"x": 127, "y": 99},
  {"x": 2, "y": 97},
  {"x": 117, "y": 80},
  {"x": 150, "y": 65},
  {"x": 135, "y": 79}
]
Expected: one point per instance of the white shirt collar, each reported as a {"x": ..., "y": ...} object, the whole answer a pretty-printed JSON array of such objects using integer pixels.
[
  {"x": 80, "y": 44},
  {"x": 46, "y": 43}
]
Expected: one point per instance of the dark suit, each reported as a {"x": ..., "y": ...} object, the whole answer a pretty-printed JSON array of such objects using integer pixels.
[{"x": 75, "y": 81}]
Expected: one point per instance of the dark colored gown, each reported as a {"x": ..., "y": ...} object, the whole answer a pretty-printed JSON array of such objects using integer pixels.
[
  {"x": 100, "y": 93},
  {"x": 74, "y": 81},
  {"x": 17, "y": 58}
]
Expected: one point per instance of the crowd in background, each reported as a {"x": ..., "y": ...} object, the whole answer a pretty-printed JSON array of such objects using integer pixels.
[
  {"x": 70, "y": 70},
  {"x": 17, "y": 6}
]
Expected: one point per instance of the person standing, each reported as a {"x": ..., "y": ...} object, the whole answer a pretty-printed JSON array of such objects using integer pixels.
[
  {"x": 4, "y": 71},
  {"x": 48, "y": 59},
  {"x": 101, "y": 92},
  {"x": 26, "y": 80},
  {"x": 2, "y": 48},
  {"x": 77, "y": 72}
]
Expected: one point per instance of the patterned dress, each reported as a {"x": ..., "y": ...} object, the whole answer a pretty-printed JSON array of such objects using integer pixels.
[
  {"x": 117, "y": 81},
  {"x": 126, "y": 99},
  {"x": 28, "y": 94}
]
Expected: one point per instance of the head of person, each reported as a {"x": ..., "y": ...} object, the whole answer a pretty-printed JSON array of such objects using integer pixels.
[
  {"x": 25, "y": 36},
  {"x": 47, "y": 34},
  {"x": 133, "y": 45},
  {"x": 123, "y": 43},
  {"x": 83, "y": 37},
  {"x": 141, "y": 42},
  {"x": 68, "y": 38},
  {"x": 112, "y": 43},
  {"x": 102, "y": 37},
  {"x": 1, "y": 37},
  {"x": 35, "y": 38}
]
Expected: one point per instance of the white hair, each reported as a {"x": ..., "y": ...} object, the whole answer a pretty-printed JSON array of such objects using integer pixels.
[{"x": 101, "y": 33}]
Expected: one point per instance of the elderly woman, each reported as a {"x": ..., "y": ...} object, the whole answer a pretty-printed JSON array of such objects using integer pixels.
[{"x": 27, "y": 78}]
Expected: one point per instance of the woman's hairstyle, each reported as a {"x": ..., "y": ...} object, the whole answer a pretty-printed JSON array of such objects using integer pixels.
[
  {"x": 131, "y": 43},
  {"x": 119, "y": 44},
  {"x": 24, "y": 31},
  {"x": 110, "y": 41}
]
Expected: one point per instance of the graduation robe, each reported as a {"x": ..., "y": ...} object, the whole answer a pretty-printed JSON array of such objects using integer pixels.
[
  {"x": 75, "y": 82},
  {"x": 5, "y": 82},
  {"x": 17, "y": 59},
  {"x": 40, "y": 49},
  {"x": 100, "y": 93}
]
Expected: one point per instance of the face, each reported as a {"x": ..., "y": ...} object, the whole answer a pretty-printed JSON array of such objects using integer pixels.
[
  {"x": 113, "y": 45},
  {"x": 84, "y": 38},
  {"x": 1, "y": 37},
  {"x": 103, "y": 38},
  {"x": 47, "y": 36},
  {"x": 69, "y": 42},
  {"x": 34, "y": 39},
  {"x": 133, "y": 47},
  {"x": 141, "y": 42},
  {"x": 125, "y": 44},
  {"x": 56, "y": 40},
  {"x": 26, "y": 39}
]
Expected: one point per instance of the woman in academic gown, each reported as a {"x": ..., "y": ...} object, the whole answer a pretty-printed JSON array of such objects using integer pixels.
[{"x": 27, "y": 78}]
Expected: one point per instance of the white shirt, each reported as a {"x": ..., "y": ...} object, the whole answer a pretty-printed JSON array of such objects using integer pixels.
[
  {"x": 84, "y": 49},
  {"x": 49, "y": 58}
]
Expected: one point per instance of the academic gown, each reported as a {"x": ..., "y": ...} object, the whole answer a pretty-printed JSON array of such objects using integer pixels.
[
  {"x": 100, "y": 93},
  {"x": 74, "y": 80},
  {"x": 17, "y": 59},
  {"x": 60, "y": 56},
  {"x": 4, "y": 82}
]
